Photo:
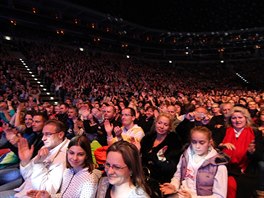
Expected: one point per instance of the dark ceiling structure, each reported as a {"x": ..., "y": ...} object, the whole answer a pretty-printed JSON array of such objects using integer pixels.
[
  {"x": 175, "y": 30},
  {"x": 184, "y": 15}
]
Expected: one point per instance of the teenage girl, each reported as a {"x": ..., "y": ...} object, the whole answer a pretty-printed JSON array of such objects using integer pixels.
[{"x": 201, "y": 171}]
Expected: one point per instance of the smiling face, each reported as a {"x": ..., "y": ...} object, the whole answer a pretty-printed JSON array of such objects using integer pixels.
[
  {"x": 149, "y": 112},
  {"x": 116, "y": 169},
  {"x": 51, "y": 137},
  {"x": 238, "y": 121},
  {"x": 28, "y": 120},
  {"x": 163, "y": 125},
  {"x": 76, "y": 157}
]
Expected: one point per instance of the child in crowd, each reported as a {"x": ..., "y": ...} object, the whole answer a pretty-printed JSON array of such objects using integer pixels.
[
  {"x": 201, "y": 171},
  {"x": 80, "y": 179}
]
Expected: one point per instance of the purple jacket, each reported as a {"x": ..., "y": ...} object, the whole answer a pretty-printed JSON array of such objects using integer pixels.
[{"x": 205, "y": 174}]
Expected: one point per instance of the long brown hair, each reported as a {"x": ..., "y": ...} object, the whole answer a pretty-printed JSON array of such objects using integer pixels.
[
  {"x": 84, "y": 143},
  {"x": 131, "y": 157}
]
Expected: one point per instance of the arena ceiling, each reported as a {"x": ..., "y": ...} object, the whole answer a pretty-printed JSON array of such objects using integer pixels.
[
  {"x": 169, "y": 15},
  {"x": 184, "y": 15}
]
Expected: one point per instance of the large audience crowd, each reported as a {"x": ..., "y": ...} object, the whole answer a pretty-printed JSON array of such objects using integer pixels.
[{"x": 128, "y": 128}]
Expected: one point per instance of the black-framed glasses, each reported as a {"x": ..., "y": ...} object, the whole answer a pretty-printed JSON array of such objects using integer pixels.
[{"x": 114, "y": 167}]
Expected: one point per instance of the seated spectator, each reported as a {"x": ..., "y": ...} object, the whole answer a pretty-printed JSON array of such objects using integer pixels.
[
  {"x": 128, "y": 132},
  {"x": 216, "y": 109},
  {"x": 124, "y": 172},
  {"x": 63, "y": 114},
  {"x": 192, "y": 178},
  {"x": 199, "y": 117},
  {"x": 146, "y": 121},
  {"x": 6, "y": 111},
  {"x": 252, "y": 108},
  {"x": 75, "y": 125},
  {"x": 217, "y": 123},
  {"x": 11, "y": 176},
  {"x": 174, "y": 116},
  {"x": 243, "y": 145},
  {"x": 161, "y": 151},
  {"x": 80, "y": 179},
  {"x": 45, "y": 170},
  {"x": 260, "y": 125}
]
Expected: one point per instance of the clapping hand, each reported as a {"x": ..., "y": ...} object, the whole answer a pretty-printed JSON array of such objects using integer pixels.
[
  {"x": 38, "y": 194},
  {"x": 118, "y": 131},
  {"x": 24, "y": 151},
  {"x": 108, "y": 127}
]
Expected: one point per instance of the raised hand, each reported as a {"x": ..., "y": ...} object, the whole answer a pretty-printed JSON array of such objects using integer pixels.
[
  {"x": 108, "y": 127},
  {"x": 118, "y": 131},
  {"x": 12, "y": 136},
  {"x": 24, "y": 151},
  {"x": 85, "y": 113}
]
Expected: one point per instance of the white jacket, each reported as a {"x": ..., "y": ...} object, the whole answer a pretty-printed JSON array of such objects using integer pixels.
[{"x": 47, "y": 175}]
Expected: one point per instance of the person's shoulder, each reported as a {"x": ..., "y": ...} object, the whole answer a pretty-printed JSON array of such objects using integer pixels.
[
  {"x": 138, "y": 193},
  {"x": 219, "y": 157},
  {"x": 96, "y": 174}
]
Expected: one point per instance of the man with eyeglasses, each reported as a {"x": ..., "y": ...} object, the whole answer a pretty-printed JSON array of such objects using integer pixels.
[
  {"x": 129, "y": 131},
  {"x": 45, "y": 170}
]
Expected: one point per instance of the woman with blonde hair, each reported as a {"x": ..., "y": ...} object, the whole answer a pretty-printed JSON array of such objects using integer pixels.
[
  {"x": 243, "y": 145},
  {"x": 161, "y": 151}
]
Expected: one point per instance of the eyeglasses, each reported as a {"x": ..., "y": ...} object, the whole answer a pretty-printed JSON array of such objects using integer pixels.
[
  {"x": 114, "y": 167},
  {"x": 49, "y": 134}
]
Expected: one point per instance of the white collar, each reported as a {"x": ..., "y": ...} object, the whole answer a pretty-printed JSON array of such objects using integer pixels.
[{"x": 237, "y": 133}]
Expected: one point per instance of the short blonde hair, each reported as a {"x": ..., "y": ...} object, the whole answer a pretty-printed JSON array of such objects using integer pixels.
[
  {"x": 241, "y": 110},
  {"x": 167, "y": 115}
]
